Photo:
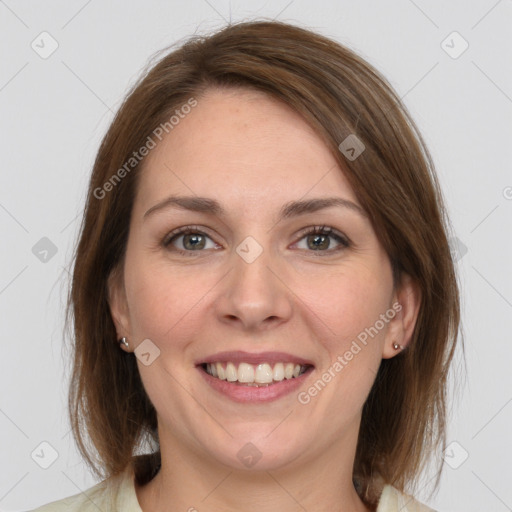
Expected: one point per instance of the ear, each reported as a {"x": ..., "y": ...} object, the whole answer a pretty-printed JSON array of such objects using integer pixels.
[
  {"x": 406, "y": 303},
  {"x": 118, "y": 304}
]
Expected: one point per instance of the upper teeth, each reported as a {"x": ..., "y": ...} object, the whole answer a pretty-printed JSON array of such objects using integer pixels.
[{"x": 260, "y": 374}]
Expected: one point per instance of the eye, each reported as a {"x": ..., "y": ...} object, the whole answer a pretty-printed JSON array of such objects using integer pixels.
[
  {"x": 322, "y": 239},
  {"x": 188, "y": 239}
]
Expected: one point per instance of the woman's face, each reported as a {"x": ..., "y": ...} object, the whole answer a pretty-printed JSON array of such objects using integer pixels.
[{"x": 250, "y": 258}]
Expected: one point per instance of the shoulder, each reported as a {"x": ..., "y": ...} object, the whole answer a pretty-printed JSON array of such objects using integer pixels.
[
  {"x": 88, "y": 500},
  {"x": 392, "y": 500},
  {"x": 115, "y": 493}
]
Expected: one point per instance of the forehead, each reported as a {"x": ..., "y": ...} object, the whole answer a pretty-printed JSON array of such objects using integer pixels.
[{"x": 241, "y": 147}]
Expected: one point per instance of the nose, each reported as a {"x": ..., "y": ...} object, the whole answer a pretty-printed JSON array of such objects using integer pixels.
[{"x": 254, "y": 296}]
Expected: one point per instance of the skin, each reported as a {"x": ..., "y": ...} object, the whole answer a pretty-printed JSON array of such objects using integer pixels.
[{"x": 253, "y": 155}]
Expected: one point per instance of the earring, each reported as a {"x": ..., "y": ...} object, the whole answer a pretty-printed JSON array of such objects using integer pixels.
[
  {"x": 396, "y": 346},
  {"x": 124, "y": 342}
]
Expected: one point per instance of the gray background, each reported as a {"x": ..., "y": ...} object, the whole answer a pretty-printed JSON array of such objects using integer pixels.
[{"x": 54, "y": 112}]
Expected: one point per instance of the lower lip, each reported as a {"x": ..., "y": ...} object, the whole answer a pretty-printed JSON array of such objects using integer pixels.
[{"x": 245, "y": 394}]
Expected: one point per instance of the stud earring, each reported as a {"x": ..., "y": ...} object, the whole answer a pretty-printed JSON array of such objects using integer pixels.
[
  {"x": 124, "y": 342},
  {"x": 396, "y": 346}
]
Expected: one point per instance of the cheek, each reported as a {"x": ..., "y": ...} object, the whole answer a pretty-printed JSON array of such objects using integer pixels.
[
  {"x": 347, "y": 302},
  {"x": 163, "y": 300},
  {"x": 349, "y": 306}
]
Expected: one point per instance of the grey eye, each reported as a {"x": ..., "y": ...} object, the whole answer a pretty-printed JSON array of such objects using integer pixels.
[
  {"x": 317, "y": 242},
  {"x": 193, "y": 241}
]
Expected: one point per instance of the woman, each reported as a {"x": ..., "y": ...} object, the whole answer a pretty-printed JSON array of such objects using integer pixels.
[{"x": 263, "y": 294}]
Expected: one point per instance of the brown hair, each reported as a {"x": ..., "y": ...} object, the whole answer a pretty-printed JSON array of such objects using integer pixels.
[{"x": 339, "y": 94}]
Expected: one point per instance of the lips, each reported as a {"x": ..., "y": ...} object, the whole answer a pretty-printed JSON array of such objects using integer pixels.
[{"x": 249, "y": 377}]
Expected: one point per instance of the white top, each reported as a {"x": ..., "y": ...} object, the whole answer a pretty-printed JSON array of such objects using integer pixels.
[{"x": 117, "y": 494}]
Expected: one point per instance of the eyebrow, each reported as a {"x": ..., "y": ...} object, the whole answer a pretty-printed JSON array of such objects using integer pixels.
[{"x": 291, "y": 209}]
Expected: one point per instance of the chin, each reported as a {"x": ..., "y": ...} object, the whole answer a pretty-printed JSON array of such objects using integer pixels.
[{"x": 256, "y": 451}]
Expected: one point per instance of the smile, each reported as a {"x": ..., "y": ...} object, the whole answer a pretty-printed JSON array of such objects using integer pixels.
[{"x": 252, "y": 378}]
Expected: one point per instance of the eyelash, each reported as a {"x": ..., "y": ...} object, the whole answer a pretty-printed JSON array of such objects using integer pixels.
[
  {"x": 343, "y": 241},
  {"x": 169, "y": 238}
]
